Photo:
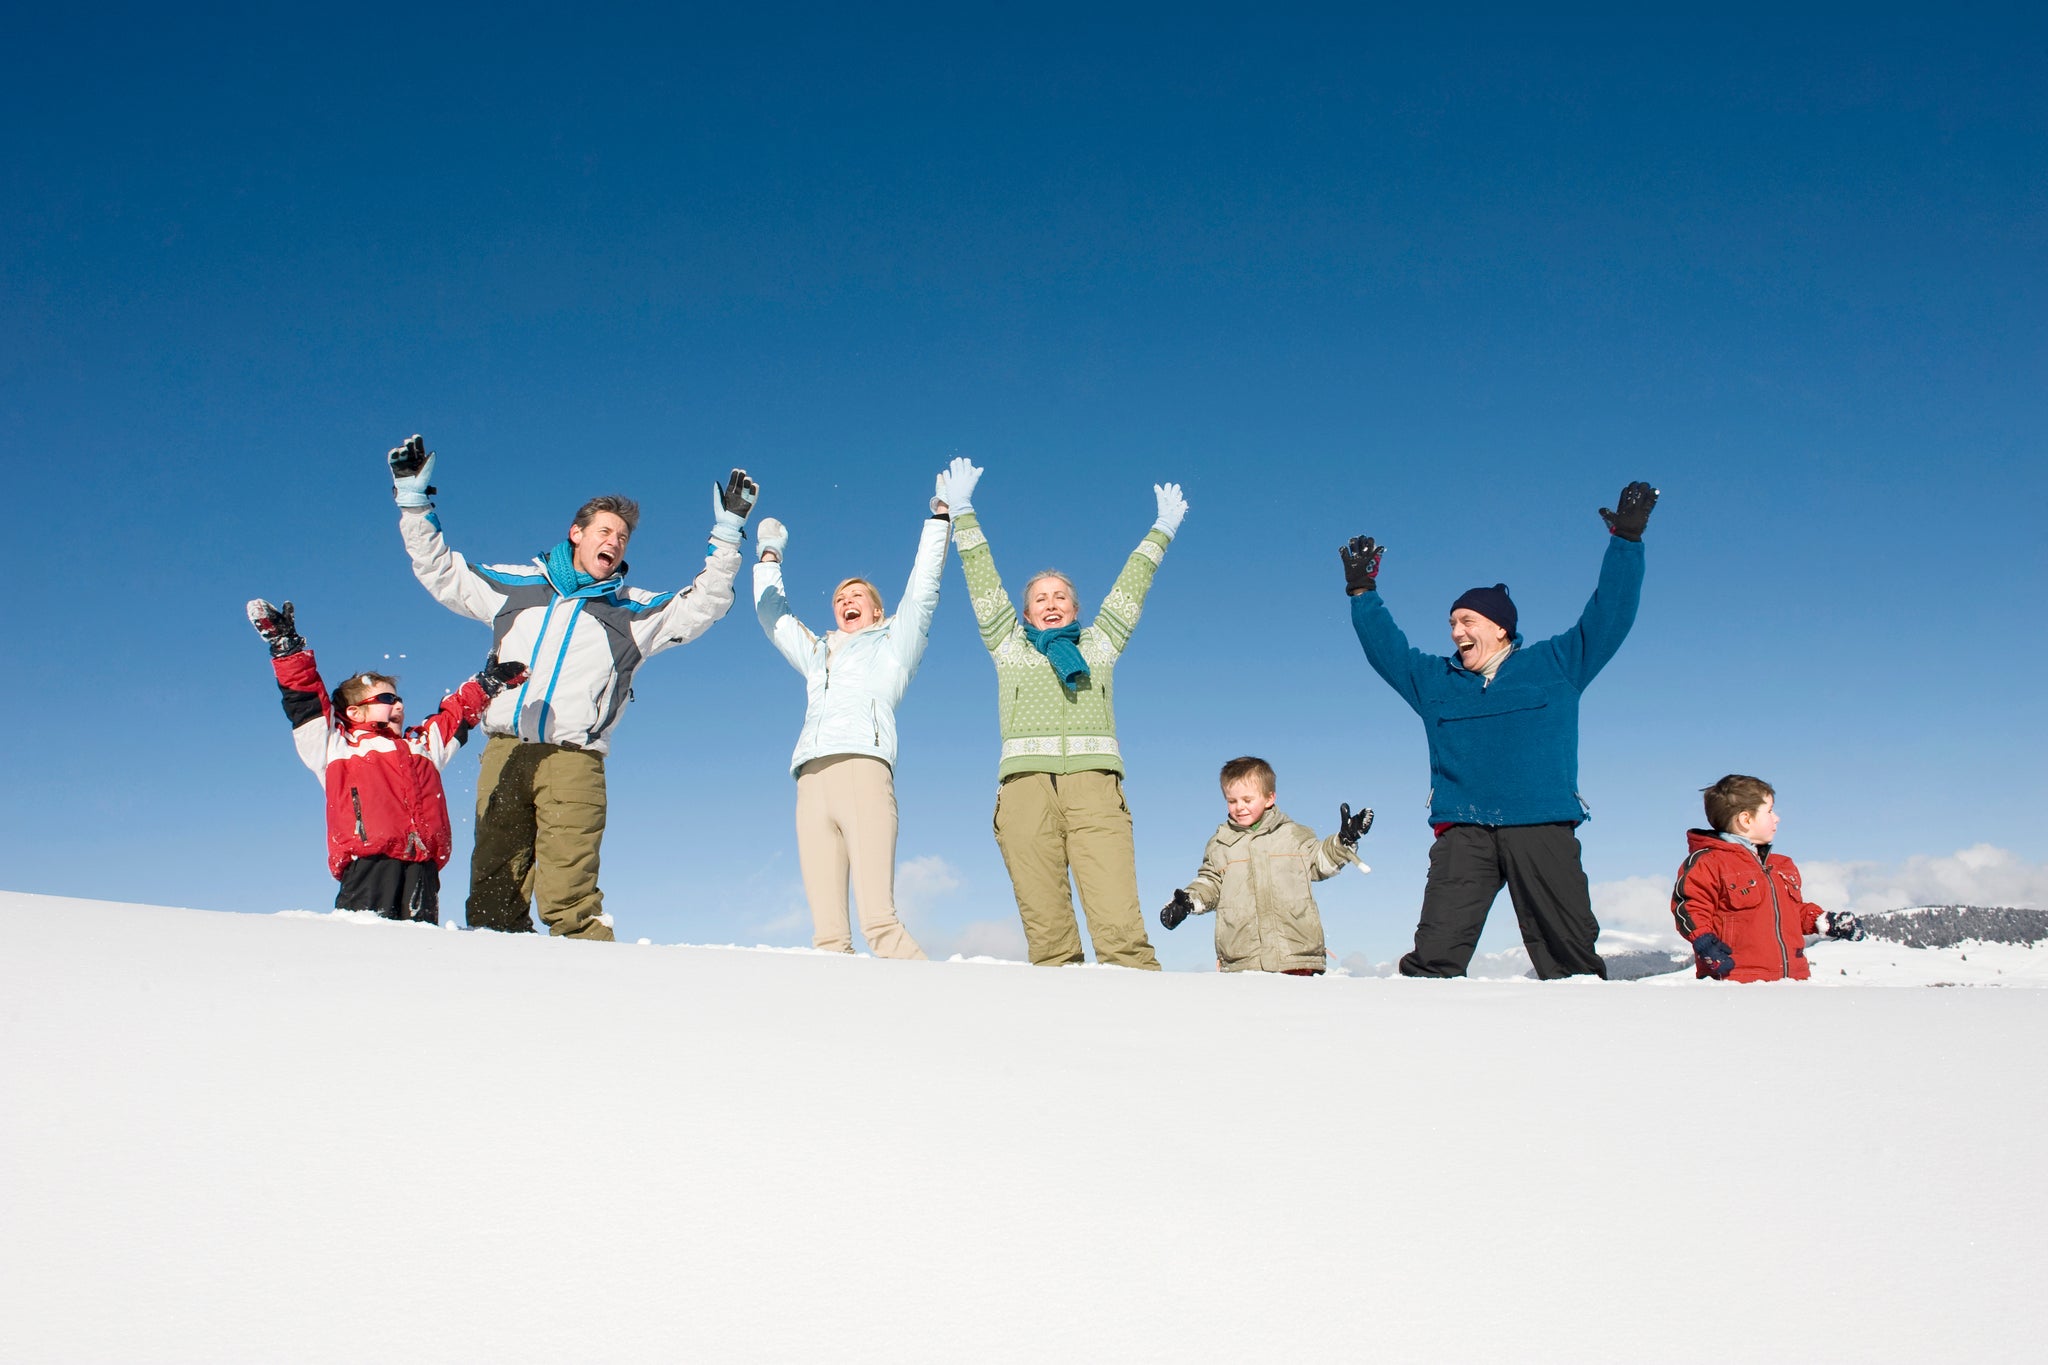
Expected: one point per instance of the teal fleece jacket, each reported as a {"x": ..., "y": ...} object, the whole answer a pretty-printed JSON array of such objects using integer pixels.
[{"x": 1507, "y": 753}]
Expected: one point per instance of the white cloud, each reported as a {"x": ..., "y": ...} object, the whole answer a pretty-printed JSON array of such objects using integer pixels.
[
  {"x": 1003, "y": 938},
  {"x": 920, "y": 882},
  {"x": 1635, "y": 912},
  {"x": 1982, "y": 874}
]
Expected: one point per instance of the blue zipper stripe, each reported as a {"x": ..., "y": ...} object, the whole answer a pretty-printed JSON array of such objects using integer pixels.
[
  {"x": 575, "y": 614},
  {"x": 519, "y": 706}
]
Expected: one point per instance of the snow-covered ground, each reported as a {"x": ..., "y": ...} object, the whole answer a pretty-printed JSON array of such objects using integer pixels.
[{"x": 327, "y": 1138}]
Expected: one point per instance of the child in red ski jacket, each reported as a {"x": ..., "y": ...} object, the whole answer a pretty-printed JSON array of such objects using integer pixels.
[
  {"x": 1737, "y": 902},
  {"x": 387, "y": 817}
]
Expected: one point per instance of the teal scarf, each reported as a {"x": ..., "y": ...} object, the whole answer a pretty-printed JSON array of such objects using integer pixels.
[
  {"x": 562, "y": 570},
  {"x": 1063, "y": 648}
]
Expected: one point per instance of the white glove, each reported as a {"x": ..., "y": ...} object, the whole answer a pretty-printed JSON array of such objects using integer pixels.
[
  {"x": 1172, "y": 507},
  {"x": 956, "y": 485},
  {"x": 771, "y": 537}
]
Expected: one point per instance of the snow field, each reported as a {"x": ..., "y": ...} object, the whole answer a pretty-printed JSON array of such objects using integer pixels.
[{"x": 319, "y": 1138}]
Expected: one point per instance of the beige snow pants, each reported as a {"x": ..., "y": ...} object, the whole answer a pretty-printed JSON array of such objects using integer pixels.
[
  {"x": 1048, "y": 824},
  {"x": 539, "y": 821},
  {"x": 846, "y": 824}
]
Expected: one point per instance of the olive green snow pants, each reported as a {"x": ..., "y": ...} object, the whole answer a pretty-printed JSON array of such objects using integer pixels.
[
  {"x": 846, "y": 823},
  {"x": 1049, "y": 824},
  {"x": 539, "y": 821}
]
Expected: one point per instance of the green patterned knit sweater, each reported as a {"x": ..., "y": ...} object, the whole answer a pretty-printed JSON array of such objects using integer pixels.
[{"x": 1046, "y": 728}]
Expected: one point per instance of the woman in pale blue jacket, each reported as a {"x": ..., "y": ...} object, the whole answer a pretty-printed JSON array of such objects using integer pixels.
[{"x": 845, "y": 757}]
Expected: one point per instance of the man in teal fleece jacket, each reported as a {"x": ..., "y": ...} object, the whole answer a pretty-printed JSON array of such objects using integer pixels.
[{"x": 1502, "y": 718}]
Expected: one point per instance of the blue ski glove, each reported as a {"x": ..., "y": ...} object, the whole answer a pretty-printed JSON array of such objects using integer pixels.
[
  {"x": 956, "y": 485},
  {"x": 1172, "y": 507},
  {"x": 412, "y": 474},
  {"x": 771, "y": 539},
  {"x": 1715, "y": 958},
  {"x": 730, "y": 506}
]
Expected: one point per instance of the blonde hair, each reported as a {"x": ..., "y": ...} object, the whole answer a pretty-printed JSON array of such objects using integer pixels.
[
  {"x": 874, "y": 593},
  {"x": 360, "y": 686},
  {"x": 1249, "y": 769}
]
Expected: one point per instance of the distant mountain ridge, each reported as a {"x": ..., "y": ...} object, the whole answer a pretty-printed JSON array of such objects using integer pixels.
[{"x": 1945, "y": 926}]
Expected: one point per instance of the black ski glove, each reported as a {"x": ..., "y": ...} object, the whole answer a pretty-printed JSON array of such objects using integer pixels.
[
  {"x": 1177, "y": 909},
  {"x": 1842, "y": 924},
  {"x": 274, "y": 624},
  {"x": 1631, "y": 512},
  {"x": 496, "y": 677},
  {"x": 1361, "y": 556},
  {"x": 1351, "y": 828},
  {"x": 1715, "y": 958}
]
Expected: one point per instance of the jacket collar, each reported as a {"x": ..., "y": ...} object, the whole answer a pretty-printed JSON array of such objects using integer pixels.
[
  {"x": 1265, "y": 824},
  {"x": 559, "y": 564}
]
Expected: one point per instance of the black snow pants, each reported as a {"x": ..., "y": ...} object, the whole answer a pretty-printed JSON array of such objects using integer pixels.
[
  {"x": 1539, "y": 865},
  {"x": 393, "y": 887}
]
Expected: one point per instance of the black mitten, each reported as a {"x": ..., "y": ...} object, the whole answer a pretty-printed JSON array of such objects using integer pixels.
[
  {"x": 1177, "y": 909},
  {"x": 274, "y": 624}
]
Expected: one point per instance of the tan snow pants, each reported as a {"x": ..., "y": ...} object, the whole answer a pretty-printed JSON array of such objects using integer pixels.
[
  {"x": 1048, "y": 825},
  {"x": 539, "y": 820},
  {"x": 846, "y": 824}
]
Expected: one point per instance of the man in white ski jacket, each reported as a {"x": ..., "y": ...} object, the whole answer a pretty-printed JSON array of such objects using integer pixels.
[{"x": 569, "y": 616}]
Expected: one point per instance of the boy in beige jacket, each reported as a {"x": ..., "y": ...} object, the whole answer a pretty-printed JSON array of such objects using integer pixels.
[{"x": 1256, "y": 875}]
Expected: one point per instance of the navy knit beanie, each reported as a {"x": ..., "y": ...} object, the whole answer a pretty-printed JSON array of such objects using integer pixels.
[{"x": 1493, "y": 604}]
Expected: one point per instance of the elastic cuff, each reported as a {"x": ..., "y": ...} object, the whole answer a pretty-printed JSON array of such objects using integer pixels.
[
  {"x": 411, "y": 502},
  {"x": 1161, "y": 525}
]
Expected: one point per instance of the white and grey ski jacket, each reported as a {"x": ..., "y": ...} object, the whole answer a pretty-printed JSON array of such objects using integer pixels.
[
  {"x": 581, "y": 644},
  {"x": 854, "y": 687}
]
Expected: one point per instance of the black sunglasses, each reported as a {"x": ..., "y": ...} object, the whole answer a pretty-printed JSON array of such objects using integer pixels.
[{"x": 381, "y": 699}]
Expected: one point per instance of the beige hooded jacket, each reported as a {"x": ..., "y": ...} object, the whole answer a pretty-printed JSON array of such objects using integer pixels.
[{"x": 1257, "y": 881}]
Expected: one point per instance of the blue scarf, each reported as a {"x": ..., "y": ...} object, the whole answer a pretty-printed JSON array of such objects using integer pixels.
[
  {"x": 1063, "y": 648},
  {"x": 563, "y": 573}
]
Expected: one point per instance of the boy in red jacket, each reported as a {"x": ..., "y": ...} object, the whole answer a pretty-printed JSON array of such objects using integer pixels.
[
  {"x": 387, "y": 817},
  {"x": 1737, "y": 902}
]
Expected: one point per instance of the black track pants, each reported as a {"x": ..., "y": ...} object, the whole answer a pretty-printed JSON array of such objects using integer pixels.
[
  {"x": 1539, "y": 865},
  {"x": 393, "y": 887}
]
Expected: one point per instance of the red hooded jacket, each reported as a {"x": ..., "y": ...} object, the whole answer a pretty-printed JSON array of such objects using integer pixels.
[
  {"x": 383, "y": 788},
  {"x": 1751, "y": 900}
]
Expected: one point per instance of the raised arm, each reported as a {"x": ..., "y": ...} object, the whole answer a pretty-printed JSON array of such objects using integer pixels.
[
  {"x": 1120, "y": 610},
  {"x": 993, "y": 610},
  {"x": 912, "y": 630},
  {"x": 1585, "y": 649},
  {"x": 1386, "y": 647},
  {"x": 299, "y": 687},
  {"x": 791, "y": 638},
  {"x": 455, "y": 583}
]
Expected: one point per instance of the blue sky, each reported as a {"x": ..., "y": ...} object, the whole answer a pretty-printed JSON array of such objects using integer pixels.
[{"x": 1448, "y": 281}]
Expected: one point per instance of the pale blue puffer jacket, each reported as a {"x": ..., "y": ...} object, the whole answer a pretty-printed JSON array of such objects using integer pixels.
[{"x": 854, "y": 691}]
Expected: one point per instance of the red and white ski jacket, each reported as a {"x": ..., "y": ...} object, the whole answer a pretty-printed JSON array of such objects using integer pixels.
[
  {"x": 1750, "y": 898},
  {"x": 383, "y": 788}
]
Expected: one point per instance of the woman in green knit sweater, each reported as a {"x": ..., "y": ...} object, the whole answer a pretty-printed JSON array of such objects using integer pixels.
[{"x": 1060, "y": 801}]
